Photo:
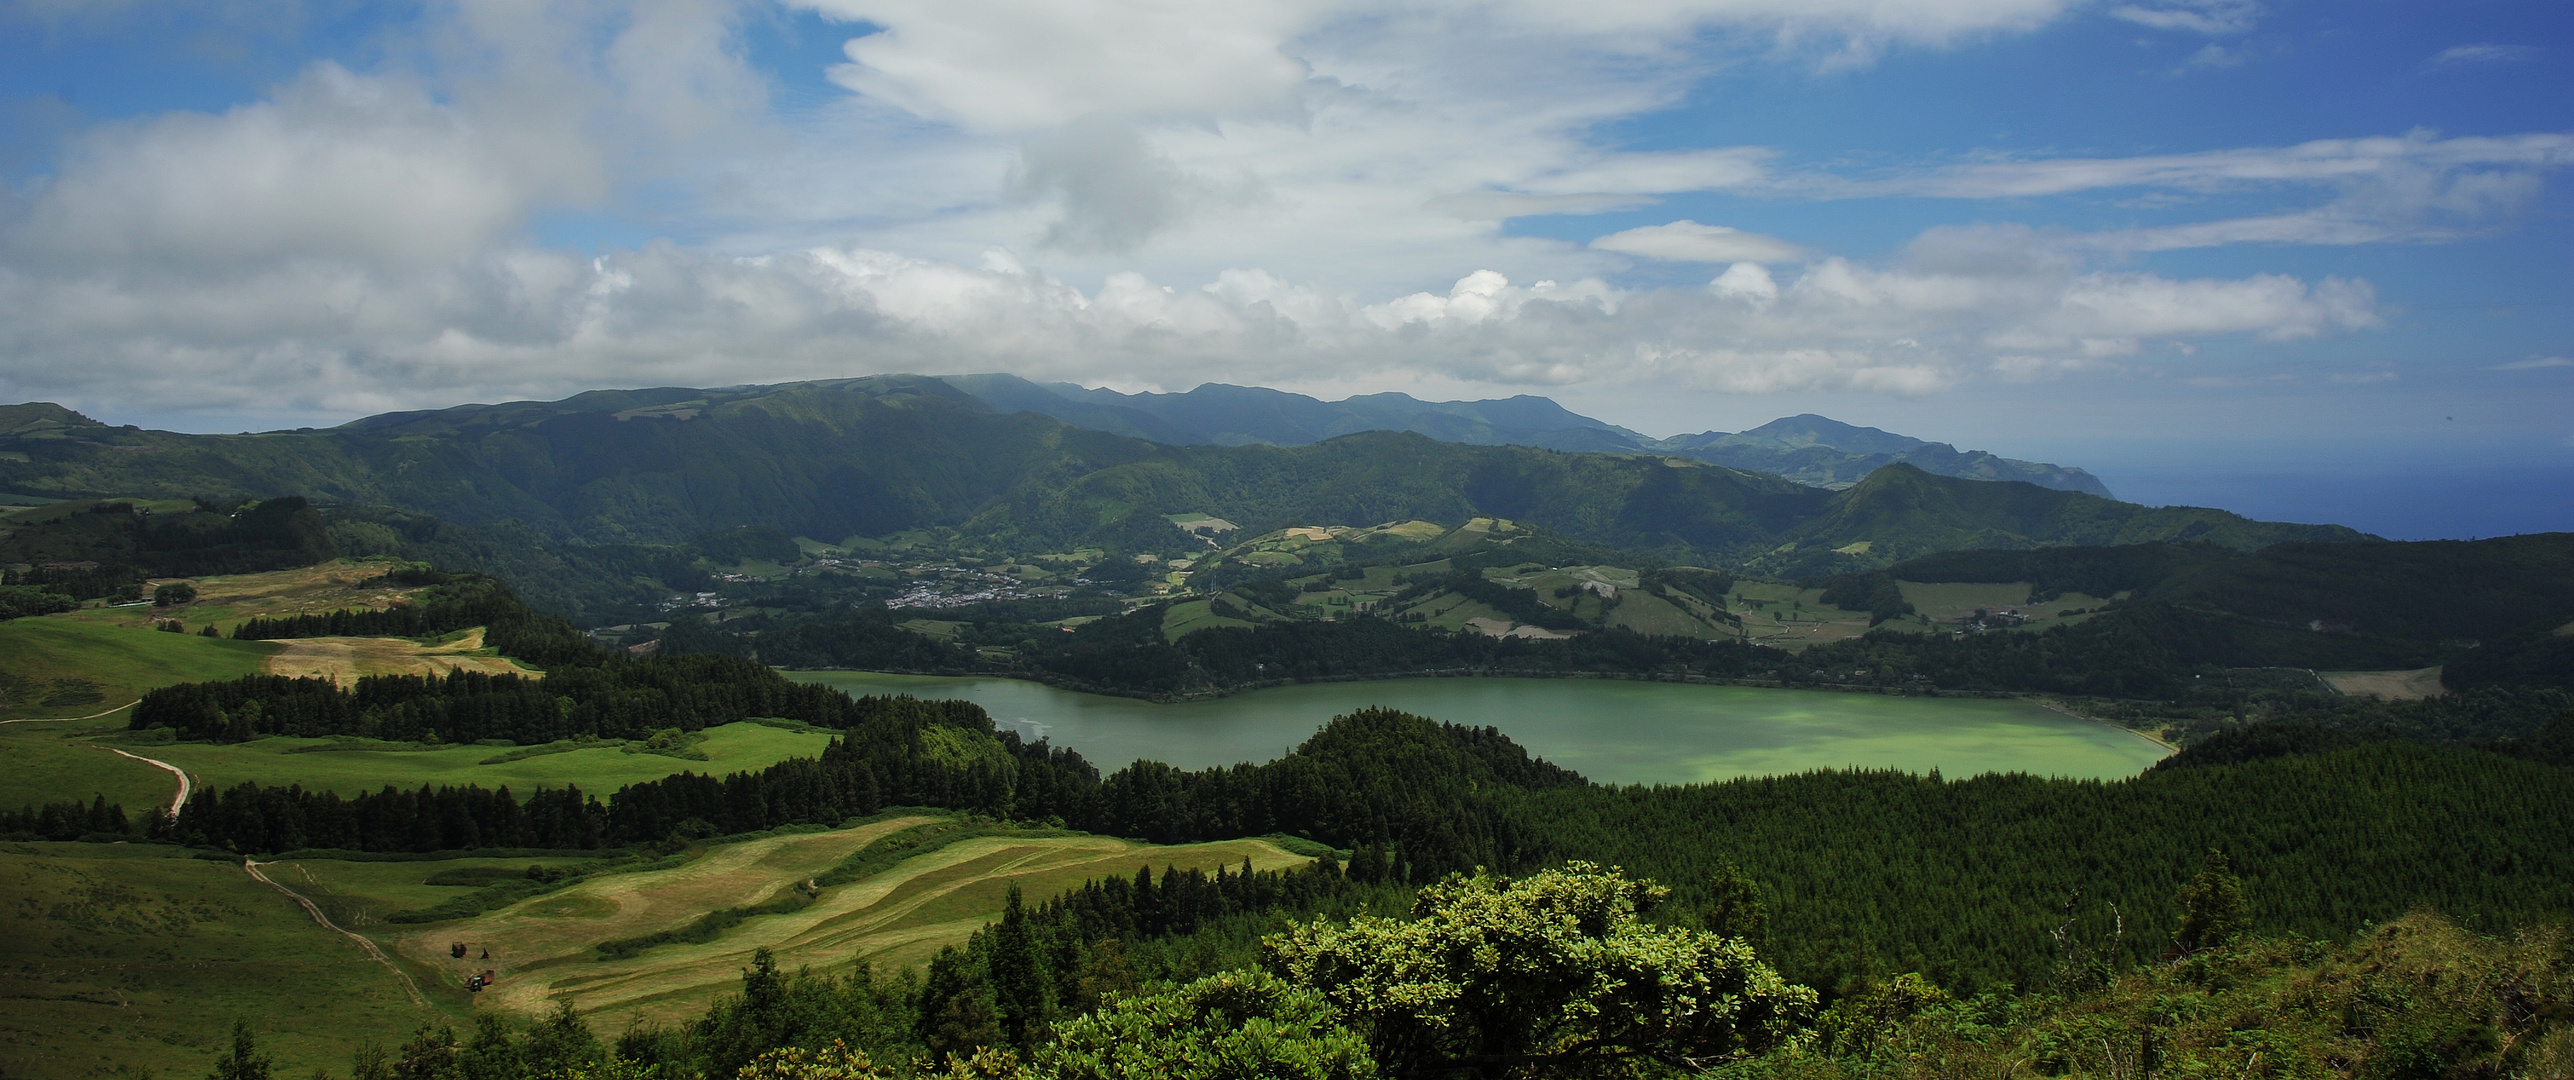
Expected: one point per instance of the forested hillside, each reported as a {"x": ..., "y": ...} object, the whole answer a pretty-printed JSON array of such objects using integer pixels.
[{"x": 878, "y": 456}]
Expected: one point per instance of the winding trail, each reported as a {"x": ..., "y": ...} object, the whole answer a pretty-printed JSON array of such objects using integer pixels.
[
  {"x": 252, "y": 868},
  {"x": 67, "y": 719},
  {"x": 176, "y": 801}
]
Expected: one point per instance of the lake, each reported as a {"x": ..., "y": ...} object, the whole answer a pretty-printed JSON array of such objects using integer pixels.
[{"x": 1612, "y": 731}]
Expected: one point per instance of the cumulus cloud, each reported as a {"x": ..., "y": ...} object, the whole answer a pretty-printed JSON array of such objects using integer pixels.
[
  {"x": 334, "y": 165},
  {"x": 327, "y": 337},
  {"x": 1254, "y": 192},
  {"x": 1689, "y": 241}
]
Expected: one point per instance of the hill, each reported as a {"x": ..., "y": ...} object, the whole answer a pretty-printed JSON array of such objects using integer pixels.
[
  {"x": 1808, "y": 449},
  {"x": 891, "y": 455}
]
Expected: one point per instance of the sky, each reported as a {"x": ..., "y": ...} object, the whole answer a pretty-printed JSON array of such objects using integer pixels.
[{"x": 2224, "y": 249}]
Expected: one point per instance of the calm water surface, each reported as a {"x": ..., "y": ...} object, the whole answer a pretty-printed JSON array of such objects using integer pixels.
[{"x": 1608, "y": 730}]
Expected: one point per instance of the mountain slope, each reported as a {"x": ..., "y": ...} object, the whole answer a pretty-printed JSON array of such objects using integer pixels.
[
  {"x": 1807, "y": 448},
  {"x": 885, "y": 454}
]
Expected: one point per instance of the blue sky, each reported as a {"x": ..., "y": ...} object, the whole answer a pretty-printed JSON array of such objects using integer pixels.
[{"x": 2157, "y": 235}]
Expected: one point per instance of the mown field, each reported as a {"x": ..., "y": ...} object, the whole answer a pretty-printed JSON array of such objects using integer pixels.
[
  {"x": 348, "y": 766},
  {"x": 226, "y": 600},
  {"x": 126, "y": 959},
  {"x": 545, "y": 949}
]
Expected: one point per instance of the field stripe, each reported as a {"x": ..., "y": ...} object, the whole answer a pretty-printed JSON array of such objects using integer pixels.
[{"x": 315, "y": 911}]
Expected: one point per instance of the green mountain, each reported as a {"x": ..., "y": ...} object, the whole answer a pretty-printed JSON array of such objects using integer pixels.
[
  {"x": 888, "y": 455},
  {"x": 1808, "y": 449},
  {"x": 1828, "y": 453}
]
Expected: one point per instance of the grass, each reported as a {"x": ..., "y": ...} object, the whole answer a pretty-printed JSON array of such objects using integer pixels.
[
  {"x": 601, "y": 769},
  {"x": 226, "y": 600},
  {"x": 1783, "y": 616},
  {"x": 1190, "y": 616},
  {"x": 2392, "y": 685},
  {"x": 549, "y": 948},
  {"x": 346, "y": 659},
  {"x": 123, "y": 959},
  {"x": 64, "y": 666},
  {"x": 57, "y": 762}
]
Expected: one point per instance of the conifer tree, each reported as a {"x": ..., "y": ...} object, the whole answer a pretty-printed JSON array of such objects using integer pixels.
[
  {"x": 245, "y": 1062},
  {"x": 2213, "y": 911}
]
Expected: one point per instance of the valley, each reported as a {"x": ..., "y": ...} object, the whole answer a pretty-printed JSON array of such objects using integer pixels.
[{"x": 806, "y": 731}]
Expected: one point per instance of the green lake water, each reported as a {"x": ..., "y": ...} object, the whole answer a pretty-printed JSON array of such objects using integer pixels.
[{"x": 1609, "y": 730}]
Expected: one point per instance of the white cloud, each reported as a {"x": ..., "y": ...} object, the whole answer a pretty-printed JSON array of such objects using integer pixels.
[
  {"x": 1689, "y": 241},
  {"x": 335, "y": 165},
  {"x": 2210, "y": 17},
  {"x": 2467, "y": 55},
  {"x": 1746, "y": 281},
  {"x": 2535, "y": 363}
]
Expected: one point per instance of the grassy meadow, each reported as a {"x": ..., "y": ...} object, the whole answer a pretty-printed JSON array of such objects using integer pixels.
[
  {"x": 227, "y": 600},
  {"x": 348, "y": 766},
  {"x": 127, "y": 958},
  {"x": 65, "y": 666}
]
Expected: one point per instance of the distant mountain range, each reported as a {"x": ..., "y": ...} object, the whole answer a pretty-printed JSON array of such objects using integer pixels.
[
  {"x": 883, "y": 455},
  {"x": 1808, "y": 449}
]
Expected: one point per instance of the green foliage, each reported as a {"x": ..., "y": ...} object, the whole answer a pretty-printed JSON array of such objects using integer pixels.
[
  {"x": 21, "y": 601},
  {"x": 2212, "y": 909},
  {"x": 245, "y": 1062},
  {"x": 177, "y": 592},
  {"x": 1554, "y": 974},
  {"x": 1235, "y": 1026},
  {"x": 2414, "y": 998}
]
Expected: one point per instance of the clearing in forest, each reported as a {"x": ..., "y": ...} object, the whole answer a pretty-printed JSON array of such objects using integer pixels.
[
  {"x": 2391, "y": 685},
  {"x": 345, "y": 659}
]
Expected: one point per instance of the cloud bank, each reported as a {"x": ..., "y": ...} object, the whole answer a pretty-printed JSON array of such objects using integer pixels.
[{"x": 1145, "y": 193}]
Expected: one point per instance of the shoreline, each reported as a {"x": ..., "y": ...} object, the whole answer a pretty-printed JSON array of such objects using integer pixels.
[{"x": 2051, "y": 703}]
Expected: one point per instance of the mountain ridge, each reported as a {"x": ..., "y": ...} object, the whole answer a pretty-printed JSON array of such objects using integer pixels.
[
  {"x": 881, "y": 455},
  {"x": 1806, "y": 448}
]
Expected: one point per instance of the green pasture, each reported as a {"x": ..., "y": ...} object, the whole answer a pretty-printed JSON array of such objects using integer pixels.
[
  {"x": 133, "y": 960},
  {"x": 367, "y": 767},
  {"x": 56, "y": 666},
  {"x": 1190, "y": 616},
  {"x": 60, "y": 762}
]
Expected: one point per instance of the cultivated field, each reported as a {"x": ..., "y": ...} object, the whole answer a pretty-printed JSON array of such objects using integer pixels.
[
  {"x": 1783, "y": 616},
  {"x": 226, "y": 600},
  {"x": 545, "y": 948},
  {"x": 351, "y": 765},
  {"x": 345, "y": 659},
  {"x": 2391, "y": 685}
]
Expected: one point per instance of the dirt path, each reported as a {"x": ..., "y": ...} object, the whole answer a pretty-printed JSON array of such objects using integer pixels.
[
  {"x": 176, "y": 801},
  {"x": 314, "y": 910},
  {"x": 67, "y": 719}
]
